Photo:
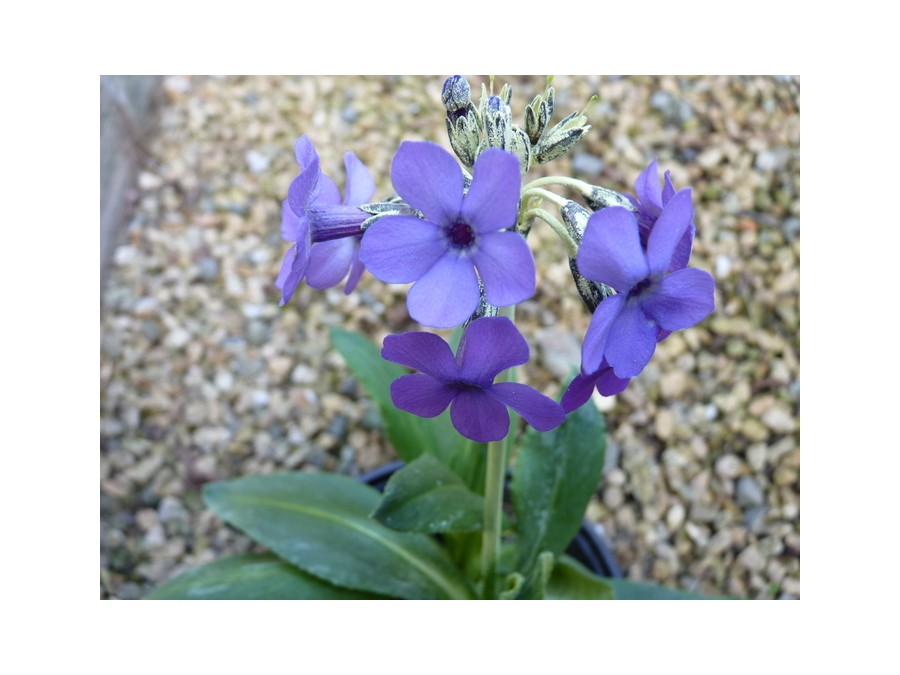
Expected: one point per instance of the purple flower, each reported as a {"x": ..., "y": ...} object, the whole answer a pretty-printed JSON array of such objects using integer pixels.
[
  {"x": 466, "y": 383},
  {"x": 649, "y": 302},
  {"x": 325, "y": 230},
  {"x": 650, "y": 202},
  {"x": 461, "y": 233},
  {"x": 581, "y": 388}
]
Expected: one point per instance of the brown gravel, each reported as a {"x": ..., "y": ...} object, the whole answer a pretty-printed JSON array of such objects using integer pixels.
[{"x": 203, "y": 377}]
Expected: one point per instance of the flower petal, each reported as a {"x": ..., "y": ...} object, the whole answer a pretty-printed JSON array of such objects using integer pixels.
[
  {"x": 682, "y": 254},
  {"x": 489, "y": 346},
  {"x": 356, "y": 272},
  {"x": 610, "y": 251},
  {"x": 325, "y": 193},
  {"x": 647, "y": 189},
  {"x": 479, "y": 417},
  {"x": 668, "y": 188},
  {"x": 421, "y": 395},
  {"x": 668, "y": 230},
  {"x": 631, "y": 341},
  {"x": 425, "y": 352},
  {"x": 578, "y": 392},
  {"x": 596, "y": 336},
  {"x": 293, "y": 268},
  {"x": 492, "y": 202},
  {"x": 290, "y": 223},
  {"x": 608, "y": 384},
  {"x": 329, "y": 262},
  {"x": 360, "y": 184},
  {"x": 506, "y": 266},
  {"x": 539, "y": 411},
  {"x": 400, "y": 249},
  {"x": 684, "y": 298},
  {"x": 427, "y": 177},
  {"x": 305, "y": 152},
  {"x": 301, "y": 188},
  {"x": 446, "y": 295}
]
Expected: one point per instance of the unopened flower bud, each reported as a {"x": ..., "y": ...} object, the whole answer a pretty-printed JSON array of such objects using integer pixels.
[
  {"x": 464, "y": 136},
  {"x": 520, "y": 146},
  {"x": 456, "y": 94},
  {"x": 537, "y": 115},
  {"x": 484, "y": 307},
  {"x": 599, "y": 198},
  {"x": 561, "y": 138},
  {"x": 497, "y": 119},
  {"x": 575, "y": 217}
]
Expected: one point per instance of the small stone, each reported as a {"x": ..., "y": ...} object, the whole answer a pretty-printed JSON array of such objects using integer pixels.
[
  {"x": 729, "y": 466},
  {"x": 756, "y": 456},
  {"x": 177, "y": 338},
  {"x": 664, "y": 424},
  {"x": 149, "y": 181},
  {"x": 698, "y": 534},
  {"x": 258, "y": 333},
  {"x": 748, "y": 492},
  {"x": 257, "y": 162},
  {"x": 613, "y": 496},
  {"x": 303, "y": 374},
  {"x": 673, "y": 383},
  {"x": 675, "y": 516},
  {"x": 779, "y": 420},
  {"x": 752, "y": 559}
]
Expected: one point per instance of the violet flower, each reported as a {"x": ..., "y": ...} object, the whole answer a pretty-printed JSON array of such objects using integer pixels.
[
  {"x": 649, "y": 202},
  {"x": 649, "y": 302},
  {"x": 489, "y": 346},
  {"x": 325, "y": 230},
  {"x": 460, "y": 233},
  {"x": 581, "y": 388}
]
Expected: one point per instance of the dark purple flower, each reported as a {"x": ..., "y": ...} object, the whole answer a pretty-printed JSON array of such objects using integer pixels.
[
  {"x": 581, "y": 388},
  {"x": 461, "y": 233},
  {"x": 489, "y": 346},
  {"x": 650, "y": 202},
  {"x": 325, "y": 230},
  {"x": 625, "y": 327}
]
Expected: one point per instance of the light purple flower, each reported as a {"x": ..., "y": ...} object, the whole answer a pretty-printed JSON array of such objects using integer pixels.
[
  {"x": 465, "y": 382},
  {"x": 459, "y": 235},
  {"x": 626, "y": 327},
  {"x": 581, "y": 388},
  {"x": 325, "y": 230},
  {"x": 650, "y": 201}
]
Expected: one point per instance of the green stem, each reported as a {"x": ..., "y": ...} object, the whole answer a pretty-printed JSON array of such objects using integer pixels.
[
  {"x": 557, "y": 226},
  {"x": 574, "y": 183},
  {"x": 495, "y": 481}
]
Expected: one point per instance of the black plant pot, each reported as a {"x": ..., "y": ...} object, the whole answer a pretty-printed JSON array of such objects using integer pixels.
[{"x": 587, "y": 548}]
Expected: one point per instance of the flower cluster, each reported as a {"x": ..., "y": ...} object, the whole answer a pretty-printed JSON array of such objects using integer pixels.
[{"x": 460, "y": 240}]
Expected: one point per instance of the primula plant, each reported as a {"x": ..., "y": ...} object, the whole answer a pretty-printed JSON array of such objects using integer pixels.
[{"x": 497, "y": 476}]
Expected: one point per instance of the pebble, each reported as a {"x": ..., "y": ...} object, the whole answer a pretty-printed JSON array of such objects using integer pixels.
[
  {"x": 748, "y": 492},
  {"x": 729, "y": 466}
]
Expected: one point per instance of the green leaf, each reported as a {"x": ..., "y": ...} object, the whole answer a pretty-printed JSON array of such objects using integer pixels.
[
  {"x": 321, "y": 524},
  {"x": 426, "y": 496},
  {"x": 636, "y": 590},
  {"x": 554, "y": 477},
  {"x": 572, "y": 581},
  {"x": 254, "y": 576},
  {"x": 410, "y": 435}
]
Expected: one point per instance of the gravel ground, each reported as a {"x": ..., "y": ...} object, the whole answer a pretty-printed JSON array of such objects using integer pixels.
[{"x": 203, "y": 377}]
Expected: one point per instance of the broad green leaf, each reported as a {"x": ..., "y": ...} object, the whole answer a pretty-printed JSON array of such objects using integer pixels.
[
  {"x": 637, "y": 590},
  {"x": 321, "y": 524},
  {"x": 572, "y": 581},
  {"x": 426, "y": 496},
  {"x": 554, "y": 476},
  {"x": 410, "y": 435},
  {"x": 254, "y": 576}
]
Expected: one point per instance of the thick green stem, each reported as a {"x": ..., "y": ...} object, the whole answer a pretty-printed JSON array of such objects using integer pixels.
[
  {"x": 493, "y": 516},
  {"x": 495, "y": 481}
]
